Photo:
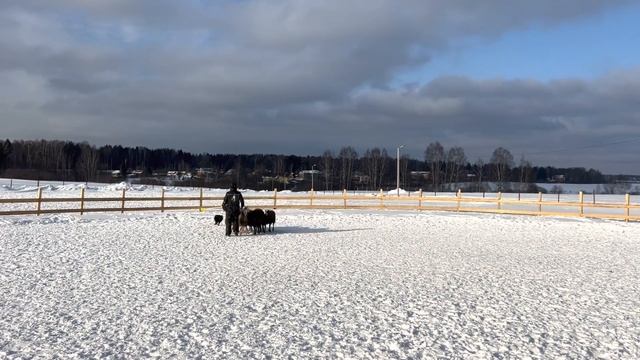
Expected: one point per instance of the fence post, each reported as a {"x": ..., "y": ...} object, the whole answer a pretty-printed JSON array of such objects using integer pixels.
[
  {"x": 594, "y": 196},
  {"x": 201, "y": 208},
  {"x": 581, "y": 196},
  {"x": 311, "y": 198},
  {"x": 344, "y": 197},
  {"x": 558, "y": 196},
  {"x": 627, "y": 204},
  {"x": 162, "y": 201},
  {"x": 499, "y": 200},
  {"x": 82, "y": 201},
  {"x": 122, "y": 207},
  {"x": 420, "y": 200},
  {"x": 459, "y": 195},
  {"x": 39, "y": 201},
  {"x": 518, "y": 196},
  {"x": 11, "y": 184},
  {"x": 275, "y": 197},
  {"x": 381, "y": 199},
  {"x": 539, "y": 202}
]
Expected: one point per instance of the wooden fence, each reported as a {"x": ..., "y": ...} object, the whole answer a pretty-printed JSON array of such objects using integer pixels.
[{"x": 626, "y": 211}]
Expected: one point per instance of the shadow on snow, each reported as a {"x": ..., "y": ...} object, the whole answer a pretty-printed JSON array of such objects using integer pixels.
[{"x": 308, "y": 230}]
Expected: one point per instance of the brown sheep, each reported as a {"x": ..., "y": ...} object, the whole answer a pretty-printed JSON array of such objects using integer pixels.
[{"x": 242, "y": 220}]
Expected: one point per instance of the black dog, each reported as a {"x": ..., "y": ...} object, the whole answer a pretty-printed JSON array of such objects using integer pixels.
[{"x": 218, "y": 219}]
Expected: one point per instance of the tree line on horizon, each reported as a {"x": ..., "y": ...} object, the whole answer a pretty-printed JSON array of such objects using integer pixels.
[{"x": 441, "y": 169}]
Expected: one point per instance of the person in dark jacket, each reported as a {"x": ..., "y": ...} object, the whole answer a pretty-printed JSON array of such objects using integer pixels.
[{"x": 232, "y": 203}]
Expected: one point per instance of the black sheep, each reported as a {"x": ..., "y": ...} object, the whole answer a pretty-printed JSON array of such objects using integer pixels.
[
  {"x": 270, "y": 216},
  {"x": 218, "y": 219},
  {"x": 256, "y": 220}
]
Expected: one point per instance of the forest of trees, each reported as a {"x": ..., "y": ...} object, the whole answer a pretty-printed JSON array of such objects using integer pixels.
[{"x": 440, "y": 169}]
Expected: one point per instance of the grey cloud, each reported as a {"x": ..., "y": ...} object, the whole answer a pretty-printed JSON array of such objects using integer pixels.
[
  {"x": 143, "y": 13},
  {"x": 529, "y": 117},
  {"x": 288, "y": 76}
]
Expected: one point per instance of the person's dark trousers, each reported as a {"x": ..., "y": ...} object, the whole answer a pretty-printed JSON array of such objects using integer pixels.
[{"x": 231, "y": 219}]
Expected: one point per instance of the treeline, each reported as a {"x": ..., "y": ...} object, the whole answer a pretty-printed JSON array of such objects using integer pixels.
[{"x": 441, "y": 169}]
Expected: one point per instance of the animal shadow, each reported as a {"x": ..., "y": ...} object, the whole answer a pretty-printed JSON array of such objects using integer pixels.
[{"x": 308, "y": 230}]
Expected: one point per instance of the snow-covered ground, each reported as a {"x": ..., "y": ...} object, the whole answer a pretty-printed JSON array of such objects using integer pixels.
[
  {"x": 29, "y": 186},
  {"x": 327, "y": 284},
  {"x": 590, "y": 188}
]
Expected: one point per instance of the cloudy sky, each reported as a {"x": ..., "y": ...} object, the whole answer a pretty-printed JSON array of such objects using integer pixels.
[{"x": 556, "y": 81}]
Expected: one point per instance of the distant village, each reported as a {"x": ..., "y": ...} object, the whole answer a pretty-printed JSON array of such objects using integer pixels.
[
  {"x": 300, "y": 180},
  {"x": 441, "y": 169}
]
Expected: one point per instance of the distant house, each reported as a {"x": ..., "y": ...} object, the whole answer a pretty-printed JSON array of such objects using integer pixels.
[
  {"x": 115, "y": 173},
  {"x": 205, "y": 171},
  {"x": 306, "y": 174},
  {"x": 425, "y": 175},
  {"x": 360, "y": 178},
  {"x": 557, "y": 179}
]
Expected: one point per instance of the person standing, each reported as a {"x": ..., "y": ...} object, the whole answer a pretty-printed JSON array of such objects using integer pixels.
[{"x": 232, "y": 203}]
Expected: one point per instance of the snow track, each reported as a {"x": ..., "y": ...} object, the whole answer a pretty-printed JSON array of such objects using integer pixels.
[{"x": 326, "y": 284}]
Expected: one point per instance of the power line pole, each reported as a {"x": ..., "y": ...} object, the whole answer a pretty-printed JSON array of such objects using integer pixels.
[{"x": 398, "y": 170}]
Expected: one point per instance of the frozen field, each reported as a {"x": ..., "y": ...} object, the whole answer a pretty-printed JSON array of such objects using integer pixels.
[{"x": 327, "y": 284}]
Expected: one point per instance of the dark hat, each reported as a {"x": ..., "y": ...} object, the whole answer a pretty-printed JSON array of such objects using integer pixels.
[{"x": 234, "y": 186}]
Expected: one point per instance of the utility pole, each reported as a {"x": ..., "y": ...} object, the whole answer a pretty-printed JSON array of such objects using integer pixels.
[
  {"x": 312, "y": 175},
  {"x": 398, "y": 170}
]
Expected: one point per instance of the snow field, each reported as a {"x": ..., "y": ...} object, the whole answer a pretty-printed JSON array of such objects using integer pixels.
[{"x": 338, "y": 284}]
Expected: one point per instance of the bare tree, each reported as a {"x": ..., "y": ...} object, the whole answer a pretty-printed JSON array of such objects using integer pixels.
[
  {"x": 369, "y": 166},
  {"x": 348, "y": 155},
  {"x": 404, "y": 169},
  {"x": 5, "y": 150},
  {"x": 434, "y": 156},
  {"x": 89, "y": 162},
  {"x": 238, "y": 169},
  {"x": 384, "y": 161},
  {"x": 456, "y": 160},
  {"x": 502, "y": 161},
  {"x": 278, "y": 166},
  {"x": 375, "y": 163},
  {"x": 479, "y": 167},
  {"x": 327, "y": 167},
  {"x": 525, "y": 174}
]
